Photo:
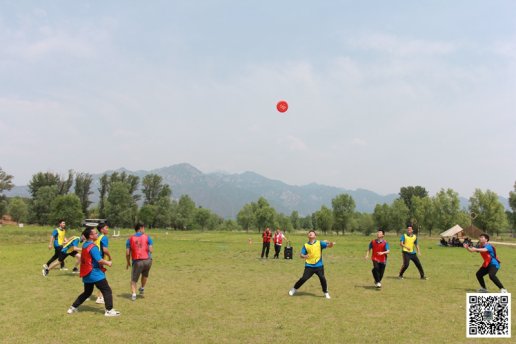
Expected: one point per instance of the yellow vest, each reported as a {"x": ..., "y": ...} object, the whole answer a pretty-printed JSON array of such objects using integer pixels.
[
  {"x": 61, "y": 233},
  {"x": 67, "y": 245},
  {"x": 314, "y": 252},
  {"x": 409, "y": 242},
  {"x": 97, "y": 242}
]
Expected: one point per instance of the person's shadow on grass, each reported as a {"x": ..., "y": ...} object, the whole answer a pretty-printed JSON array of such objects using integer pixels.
[{"x": 86, "y": 308}]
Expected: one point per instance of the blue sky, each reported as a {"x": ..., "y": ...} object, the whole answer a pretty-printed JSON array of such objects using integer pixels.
[{"x": 382, "y": 94}]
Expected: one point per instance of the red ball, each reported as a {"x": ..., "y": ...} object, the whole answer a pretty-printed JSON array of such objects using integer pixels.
[{"x": 282, "y": 106}]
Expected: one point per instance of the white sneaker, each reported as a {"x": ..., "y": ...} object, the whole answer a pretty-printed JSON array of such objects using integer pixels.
[
  {"x": 327, "y": 295},
  {"x": 44, "y": 272},
  {"x": 63, "y": 269},
  {"x": 292, "y": 291},
  {"x": 72, "y": 310},
  {"x": 112, "y": 313},
  {"x": 100, "y": 300},
  {"x": 503, "y": 291},
  {"x": 378, "y": 285},
  {"x": 133, "y": 297},
  {"x": 45, "y": 266}
]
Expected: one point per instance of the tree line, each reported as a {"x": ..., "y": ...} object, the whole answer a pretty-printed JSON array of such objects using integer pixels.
[{"x": 53, "y": 197}]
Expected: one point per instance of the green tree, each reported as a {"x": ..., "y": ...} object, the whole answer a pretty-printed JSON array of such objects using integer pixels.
[
  {"x": 147, "y": 215},
  {"x": 164, "y": 212},
  {"x": 67, "y": 207},
  {"x": 423, "y": 213},
  {"x": 406, "y": 194},
  {"x": 324, "y": 219},
  {"x": 120, "y": 207},
  {"x": 245, "y": 217},
  {"x": 364, "y": 223},
  {"x": 284, "y": 223},
  {"x": 5, "y": 184},
  {"x": 202, "y": 217},
  {"x": 42, "y": 179},
  {"x": 343, "y": 209},
  {"x": 306, "y": 222},
  {"x": 153, "y": 189},
  {"x": 447, "y": 209},
  {"x": 381, "y": 216},
  {"x": 83, "y": 190},
  {"x": 264, "y": 214},
  {"x": 131, "y": 181},
  {"x": 490, "y": 212},
  {"x": 512, "y": 204},
  {"x": 40, "y": 207},
  {"x": 294, "y": 220},
  {"x": 103, "y": 191},
  {"x": 18, "y": 209},
  {"x": 185, "y": 212},
  {"x": 398, "y": 215}
]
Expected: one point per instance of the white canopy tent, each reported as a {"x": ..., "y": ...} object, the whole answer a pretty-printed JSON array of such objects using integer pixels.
[{"x": 452, "y": 231}]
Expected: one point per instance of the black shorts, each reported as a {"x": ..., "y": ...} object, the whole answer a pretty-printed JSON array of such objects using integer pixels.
[{"x": 62, "y": 256}]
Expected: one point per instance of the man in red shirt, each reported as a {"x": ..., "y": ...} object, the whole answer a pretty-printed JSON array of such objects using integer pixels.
[
  {"x": 380, "y": 249},
  {"x": 266, "y": 236}
]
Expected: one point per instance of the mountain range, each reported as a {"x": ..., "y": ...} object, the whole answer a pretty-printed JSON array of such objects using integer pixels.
[{"x": 225, "y": 193}]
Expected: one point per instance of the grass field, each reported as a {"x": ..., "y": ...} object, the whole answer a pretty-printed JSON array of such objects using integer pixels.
[{"x": 209, "y": 287}]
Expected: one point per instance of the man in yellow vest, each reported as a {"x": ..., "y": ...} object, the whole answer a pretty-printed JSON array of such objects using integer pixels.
[
  {"x": 312, "y": 254},
  {"x": 410, "y": 250},
  {"x": 57, "y": 240}
]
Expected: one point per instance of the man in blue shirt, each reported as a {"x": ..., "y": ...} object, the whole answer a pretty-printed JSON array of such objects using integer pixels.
[
  {"x": 92, "y": 274},
  {"x": 139, "y": 249},
  {"x": 312, "y": 254}
]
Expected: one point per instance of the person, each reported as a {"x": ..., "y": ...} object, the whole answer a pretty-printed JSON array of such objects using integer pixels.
[
  {"x": 278, "y": 240},
  {"x": 379, "y": 249},
  {"x": 71, "y": 248},
  {"x": 410, "y": 252},
  {"x": 92, "y": 273},
  {"x": 312, "y": 254},
  {"x": 139, "y": 249},
  {"x": 491, "y": 263},
  {"x": 102, "y": 243},
  {"x": 266, "y": 239},
  {"x": 57, "y": 239}
]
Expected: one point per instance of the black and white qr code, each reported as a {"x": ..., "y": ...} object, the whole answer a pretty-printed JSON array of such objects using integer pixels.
[{"x": 488, "y": 315}]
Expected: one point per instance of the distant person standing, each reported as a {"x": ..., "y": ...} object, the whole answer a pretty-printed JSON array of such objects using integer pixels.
[
  {"x": 312, "y": 253},
  {"x": 491, "y": 263},
  {"x": 278, "y": 240},
  {"x": 92, "y": 274},
  {"x": 266, "y": 242},
  {"x": 139, "y": 249},
  {"x": 102, "y": 243},
  {"x": 57, "y": 239},
  {"x": 378, "y": 248},
  {"x": 410, "y": 251}
]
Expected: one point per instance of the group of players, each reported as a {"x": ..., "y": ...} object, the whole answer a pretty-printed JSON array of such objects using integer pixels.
[
  {"x": 379, "y": 249},
  {"x": 94, "y": 255}
]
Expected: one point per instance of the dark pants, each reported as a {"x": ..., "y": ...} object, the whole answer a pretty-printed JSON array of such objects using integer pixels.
[
  {"x": 57, "y": 250},
  {"x": 308, "y": 273},
  {"x": 277, "y": 250},
  {"x": 104, "y": 288},
  {"x": 407, "y": 257},
  {"x": 378, "y": 270},
  {"x": 265, "y": 249},
  {"x": 491, "y": 270}
]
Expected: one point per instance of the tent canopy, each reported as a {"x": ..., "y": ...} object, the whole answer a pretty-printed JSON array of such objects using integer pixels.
[{"x": 452, "y": 231}]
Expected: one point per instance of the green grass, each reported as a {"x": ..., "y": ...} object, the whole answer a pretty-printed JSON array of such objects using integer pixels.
[{"x": 209, "y": 287}]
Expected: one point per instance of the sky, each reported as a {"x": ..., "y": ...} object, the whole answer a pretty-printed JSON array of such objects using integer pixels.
[{"x": 381, "y": 94}]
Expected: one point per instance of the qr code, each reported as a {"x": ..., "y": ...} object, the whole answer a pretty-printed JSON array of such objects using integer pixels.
[{"x": 488, "y": 315}]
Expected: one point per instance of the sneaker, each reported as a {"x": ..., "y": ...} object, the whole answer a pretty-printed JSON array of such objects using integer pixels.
[
  {"x": 503, "y": 291},
  {"x": 141, "y": 290},
  {"x": 327, "y": 295},
  {"x": 112, "y": 313},
  {"x": 378, "y": 285},
  {"x": 424, "y": 278},
  {"x": 133, "y": 297},
  {"x": 100, "y": 300},
  {"x": 45, "y": 266},
  {"x": 64, "y": 269},
  {"x": 292, "y": 291},
  {"x": 400, "y": 277},
  {"x": 44, "y": 272},
  {"x": 72, "y": 310},
  {"x": 75, "y": 271},
  {"x": 482, "y": 290}
]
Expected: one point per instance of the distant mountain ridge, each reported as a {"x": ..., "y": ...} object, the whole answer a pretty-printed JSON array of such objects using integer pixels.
[{"x": 225, "y": 193}]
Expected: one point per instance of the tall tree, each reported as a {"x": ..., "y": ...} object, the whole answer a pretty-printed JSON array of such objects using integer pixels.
[
  {"x": 512, "y": 204},
  {"x": 103, "y": 191},
  {"x": 18, "y": 209},
  {"x": 343, "y": 209},
  {"x": 381, "y": 216},
  {"x": 423, "y": 213},
  {"x": 324, "y": 219},
  {"x": 185, "y": 212},
  {"x": 398, "y": 215},
  {"x": 490, "y": 212},
  {"x": 120, "y": 205},
  {"x": 264, "y": 214},
  {"x": 40, "y": 207},
  {"x": 42, "y": 179},
  {"x": 447, "y": 209},
  {"x": 67, "y": 207},
  {"x": 83, "y": 190},
  {"x": 5, "y": 184},
  {"x": 294, "y": 220},
  {"x": 153, "y": 188},
  {"x": 245, "y": 217},
  {"x": 406, "y": 194}
]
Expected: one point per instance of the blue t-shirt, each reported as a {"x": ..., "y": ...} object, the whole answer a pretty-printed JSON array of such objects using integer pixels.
[
  {"x": 149, "y": 242},
  {"x": 96, "y": 274},
  {"x": 55, "y": 234},
  {"x": 69, "y": 248},
  {"x": 104, "y": 242},
  {"x": 320, "y": 262},
  {"x": 491, "y": 252}
]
